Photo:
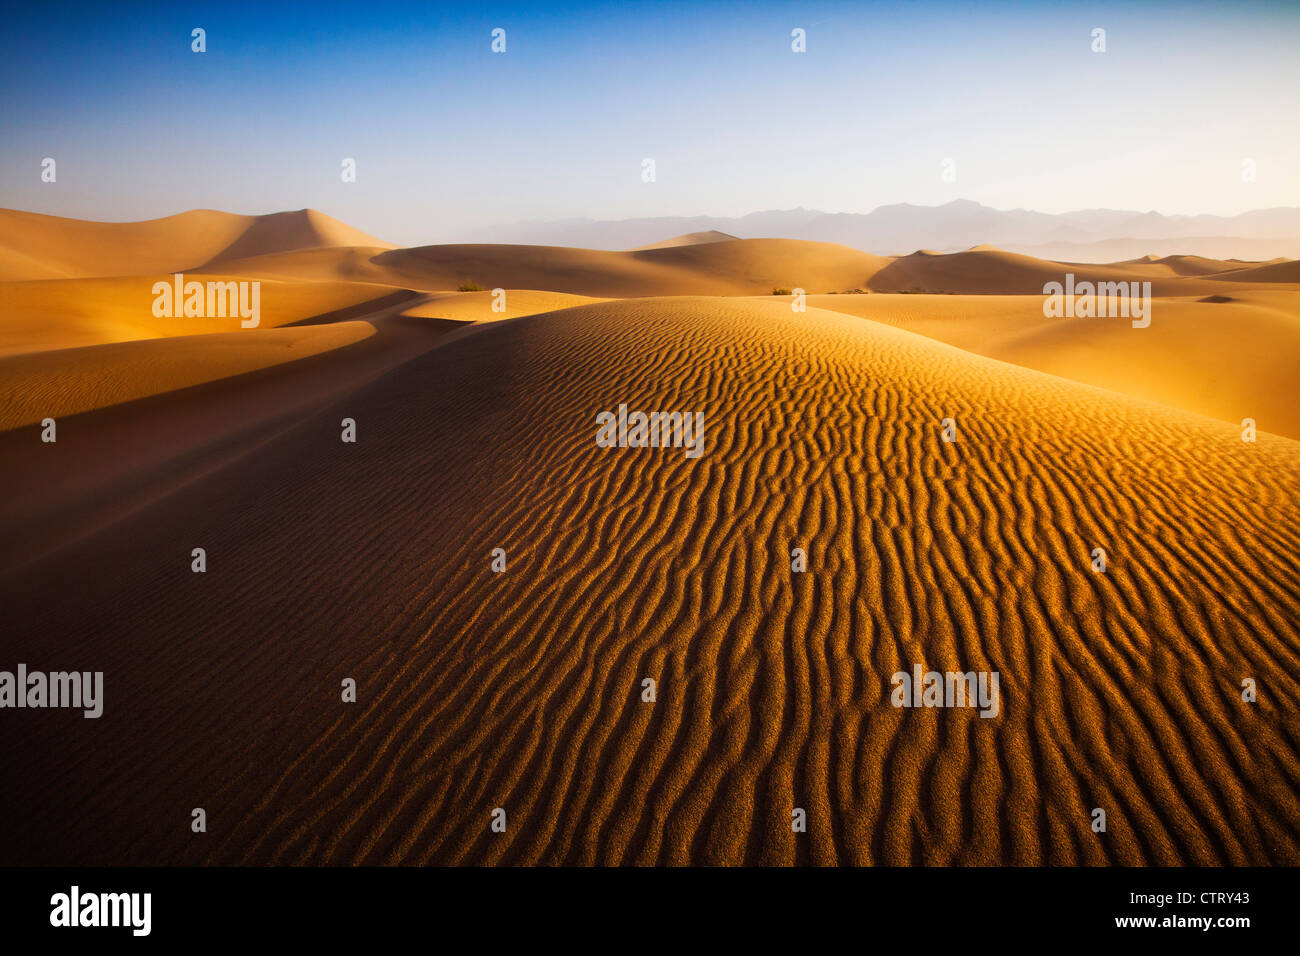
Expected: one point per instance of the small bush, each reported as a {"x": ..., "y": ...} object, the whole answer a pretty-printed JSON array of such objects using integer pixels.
[
  {"x": 781, "y": 292},
  {"x": 469, "y": 285}
]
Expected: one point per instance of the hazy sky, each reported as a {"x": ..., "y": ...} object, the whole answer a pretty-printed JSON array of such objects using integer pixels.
[{"x": 447, "y": 135}]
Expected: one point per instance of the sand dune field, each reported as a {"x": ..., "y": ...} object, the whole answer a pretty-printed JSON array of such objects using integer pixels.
[{"x": 823, "y": 430}]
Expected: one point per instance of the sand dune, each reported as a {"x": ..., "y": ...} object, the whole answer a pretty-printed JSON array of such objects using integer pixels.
[
  {"x": 1230, "y": 360},
  {"x": 1182, "y": 265},
  {"x": 739, "y": 267},
  {"x": 33, "y": 246},
  {"x": 1221, "y": 248},
  {"x": 1198, "y": 265},
  {"x": 522, "y": 690},
  {"x": 757, "y": 266},
  {"x": 287, "y": 231},
  {"x": 985, "y": 270},
  {"x": 71, "y": 313},
  {"x": 691, "y": 239},
  {"x": 1285, "y": 271}
]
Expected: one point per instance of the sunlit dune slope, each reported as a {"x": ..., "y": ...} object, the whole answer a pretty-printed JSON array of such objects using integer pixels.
[
  {"x": 1230, "y": 360},
  {"x": 478, "y": 306},
  {"x": 70, "y": 313},
  {"x": 63, "y": 382}
]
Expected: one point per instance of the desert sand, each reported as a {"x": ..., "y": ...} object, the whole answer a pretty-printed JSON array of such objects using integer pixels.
[
  {"x": 1228, "y": 357},
  {"x": 523, "y": 690}
]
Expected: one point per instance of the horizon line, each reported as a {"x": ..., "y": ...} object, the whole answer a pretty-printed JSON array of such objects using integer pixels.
[{"x": 702, "y": 215}]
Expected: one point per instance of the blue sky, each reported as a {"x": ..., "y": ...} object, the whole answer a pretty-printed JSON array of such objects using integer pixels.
[{"x": 448, "y": 135}]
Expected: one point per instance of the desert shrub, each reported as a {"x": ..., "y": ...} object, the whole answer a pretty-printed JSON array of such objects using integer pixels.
[
  {"x": 469, "y": 285},
  {"x": 781, "y": 292}
]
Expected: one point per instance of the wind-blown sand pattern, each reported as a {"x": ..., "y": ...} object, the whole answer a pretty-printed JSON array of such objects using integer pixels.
[{"x": 522, "y": 690}]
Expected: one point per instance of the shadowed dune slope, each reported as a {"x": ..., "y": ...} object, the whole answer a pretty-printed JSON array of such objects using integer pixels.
[
  {"x": 69, "y": 381},
  {"x": 522, "y": 690},
  {"x": 34, "y": 246},
  {"x": 1230, "y": 360},
  {"x": 125, "y": 455}
]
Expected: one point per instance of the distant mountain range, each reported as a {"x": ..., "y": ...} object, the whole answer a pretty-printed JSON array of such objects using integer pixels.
[{"x": 1088, "y": 235}]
